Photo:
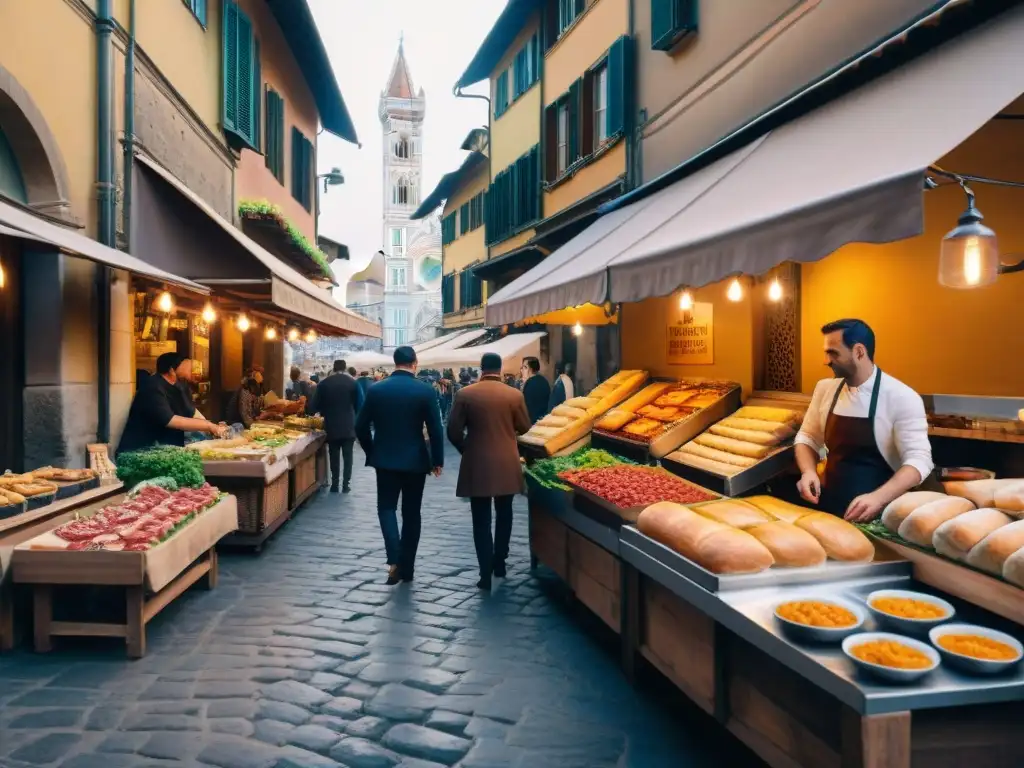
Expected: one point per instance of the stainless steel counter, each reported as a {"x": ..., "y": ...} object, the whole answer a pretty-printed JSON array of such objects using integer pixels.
[{"x": 749, "y": 614}]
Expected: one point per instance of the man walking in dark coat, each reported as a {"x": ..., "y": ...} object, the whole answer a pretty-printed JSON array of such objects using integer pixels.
[
  {"x": 485, "y": 420},
  {"x": 396, "y": 409},
  {"x": 536, "y": 390},
  {"x": 338, "y": 398}
]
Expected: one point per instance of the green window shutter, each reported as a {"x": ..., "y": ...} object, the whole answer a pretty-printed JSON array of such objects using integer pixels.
[
  {"x": 241, "y": 97},
  {"x": 549, "y": 139},
  {"x": 198, "y": 8},
  {"x": 537, "y": 56},
  {"x": 230, "y": 53},
  {"x": 464, "y": 218},
  {"x": 275, "y": 134},
  {"x": 671, "y": 22},
  {"x": 619, "y": 85},
  {"x": 574, "y": 121},
  {"x": 243, "y": 87},
  {"x": 302, "y": 164},
  {"x": 257, "y": 91}
]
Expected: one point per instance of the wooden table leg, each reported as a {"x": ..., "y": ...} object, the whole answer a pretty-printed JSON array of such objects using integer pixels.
[
  {"x": 6, "y": 617},
  {"x": 875, "y": 741},
  {"x": 629, "y": 630},
  {"x": 135, "y": 631},
  {"x": 210, "y": 581},
  {"x": 42, "y": 616}
]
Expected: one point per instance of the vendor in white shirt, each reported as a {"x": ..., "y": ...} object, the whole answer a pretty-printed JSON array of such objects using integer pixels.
[{"x": 871, "y": 426}]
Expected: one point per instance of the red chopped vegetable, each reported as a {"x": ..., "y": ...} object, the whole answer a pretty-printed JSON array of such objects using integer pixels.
[{"x": 634, "y": 486}]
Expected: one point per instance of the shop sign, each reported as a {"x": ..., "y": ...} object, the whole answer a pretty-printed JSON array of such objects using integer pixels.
[{"x": 691, "y": 336}]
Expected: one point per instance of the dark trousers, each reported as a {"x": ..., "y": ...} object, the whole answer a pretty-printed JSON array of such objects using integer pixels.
[
  {"x": 400, "y": 547},
  {"x": 489, "y": 551},
  {"x": 344, "y": 448}
]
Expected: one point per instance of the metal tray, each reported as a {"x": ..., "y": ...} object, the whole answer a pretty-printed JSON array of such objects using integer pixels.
[
  {"x": 773, "y": 577},
  {"x": 769, "y": 467},
  {"x": 67, "y": 490}
]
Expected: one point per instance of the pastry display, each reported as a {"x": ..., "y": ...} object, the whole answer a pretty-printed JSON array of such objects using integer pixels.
[{"x": 572, "y": 421}]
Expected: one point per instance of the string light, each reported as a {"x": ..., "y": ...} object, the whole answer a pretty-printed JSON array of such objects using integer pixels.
[
  {"x": 209, "y": 314},
  {"x": 686, "y": 301},
  {"x": 775, "y": 290},
  {"x": 243, "y": 323},
  {"x": 577, "y": 330},
  {"x": 3, "y": 277},
  {"x": 165, "y": 302},
  {"x": 270, "y": 334},
  {"x": 735, "y": 292},
  {"x": 293, "y": 334}
]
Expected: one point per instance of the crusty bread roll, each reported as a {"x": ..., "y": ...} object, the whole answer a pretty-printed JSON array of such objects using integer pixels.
[
  {"x": 715, "y": 455},
  {"x": 780, "y": 509},
  {"x": 533, "y": 439},
  {"x": 537, "y": 430},
  {"x": 1013, "y": 568},
  {"x": 646, "y": 396},
  {"x": 738, "y": 447},
  {"x": 580, "y": 402},
  {"x": 919, "y": 526},
  {"x": 956, "y": 537},
  {"x": 712, "y": 545},
  {"x": 568, "y": 410},
  {"x": 607, "y": 397},
  {"x": 898, "y": 509},
  {"x": 554, "y": 421},
  {"x": 734, "y": 512},
  {"x": 779, "y": 429},
  {"x": 569, "y": 435},
  {"x": 615, "y": 419},
  {"x": 991, "y": 553},
  {"x": 841, "y": 540},
  {"x": 780, "y": 415},
  {"x": 708, "y": 465},
  {"x": 1010, "y": 498},
  {"x": 791, "y": 547},
  {"x": 746, "y": 435},
  {"x": 981, "y": 492}
]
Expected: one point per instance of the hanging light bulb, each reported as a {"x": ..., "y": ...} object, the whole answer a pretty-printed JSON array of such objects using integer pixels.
[
  {"x": 310, "y": 336},
  {"x": 969, "y": 257},
  {"x": 165, "y": 302},
  {"x": 775, "y": 290},
  {"x": 577, "y": 330},
  {"x": 735, "y": 292},
  {"x": 243, "y": 323},
  {"x": 209, "y": 314},
  {"x": 270, "y": 334},
  {"x": 686, "y": 301},
  {"x": 293, "y": 334}
]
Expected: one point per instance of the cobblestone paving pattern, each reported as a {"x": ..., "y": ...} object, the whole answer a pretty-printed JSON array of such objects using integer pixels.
[{"x": 302, "y": 657}]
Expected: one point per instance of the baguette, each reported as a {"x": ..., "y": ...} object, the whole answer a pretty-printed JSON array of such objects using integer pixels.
[
  {"x": 613, "y": 395},
  {"x": 782, "y": 431},
  {"x": 841, "y": 540},
  {"x": 981, "y": 492},
  {"x": 554, "y": 421},
  {"x": 763, "y": 413},
  {"x": 532, "y": 439},
  {"x": 712, "y": 545},
  {"x": 746, "y": 435},
  {"x": 580, "y": 402},
  {"x": 991, "y": 553},
  {"x": 897, "y": 510},
  {"x": 779, "y": 509},
  {"x": 956, "y": 537},
  {"x": 569, "y": 435},
  {"x": 615, "y": 419},
  {"x": 919, "y": 526},
  {"x": 546, "y": 432},
  {"x": 723, "y": 457},
  {"x": 791, "y": 547},
  {"x": 570, "y": 412},
  {"x": 11, "y": 496},
  {"x": 646, "y": 396},
  {"x": 734, "y": 512},
  {"x": 1010, "y": 498},
  {"x": 738, "y": 447},
  {"x": 1013, "y": 568},
  {"x": 708, "y": 465}
]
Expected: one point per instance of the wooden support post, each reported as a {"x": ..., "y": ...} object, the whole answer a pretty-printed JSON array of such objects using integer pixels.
[
  {"x": 6, "y": 616},
  {"x": 875, "y": 741},
  {"x": 135, "y": 634},
  {"x": 210, "y": 582},
  {"x": 42, "y": 612},
  {"x": 629, "y": 633}
]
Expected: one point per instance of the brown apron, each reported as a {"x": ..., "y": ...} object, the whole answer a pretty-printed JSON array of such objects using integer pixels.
[{"x": 854, "y": 465}]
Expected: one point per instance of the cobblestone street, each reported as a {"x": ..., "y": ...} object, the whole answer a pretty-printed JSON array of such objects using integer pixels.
[{"x": 303, "y": 657}]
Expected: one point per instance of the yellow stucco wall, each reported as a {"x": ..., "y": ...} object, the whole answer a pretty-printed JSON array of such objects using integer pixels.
[
  {"x": 465, "y": 319},
  {"x": 582, "y": 45},
  {"x": 470, "y": 247},
  {"x": 512, "y": 243},
  {"x": 518, "y": 129},
  {"x": 597, "y": 174}
]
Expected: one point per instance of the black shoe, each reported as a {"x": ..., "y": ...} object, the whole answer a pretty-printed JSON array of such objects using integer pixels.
[
  {"x": 334, "y": 489},
  {"x": 407, "y": 578},
  {"x": 393, "y": 576},
  {"x": 346, "y": 489},
  {"x": 499, "y": 569},
  {"x": 484, "y": 584}
]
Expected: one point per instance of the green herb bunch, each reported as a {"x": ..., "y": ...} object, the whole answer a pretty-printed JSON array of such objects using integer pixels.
[
  {"x": 184, "y": 466},
  {"x": 546, "y": 471}
]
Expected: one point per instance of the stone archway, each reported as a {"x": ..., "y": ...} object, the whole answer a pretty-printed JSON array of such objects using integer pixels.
[{"x": 43, "y": 172}]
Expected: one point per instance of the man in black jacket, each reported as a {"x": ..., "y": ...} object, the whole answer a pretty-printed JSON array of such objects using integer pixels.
[
  {"x": 337, "y": 399},
  {"x": 536, "y": 390},
  {"x": 397, "y": 409}
]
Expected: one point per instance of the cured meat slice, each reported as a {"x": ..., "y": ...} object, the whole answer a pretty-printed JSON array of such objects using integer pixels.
[
  {"x": 136, "y": 546},
  {"x": 106, "y": 538},
  {"x": 114, "y": 546}
]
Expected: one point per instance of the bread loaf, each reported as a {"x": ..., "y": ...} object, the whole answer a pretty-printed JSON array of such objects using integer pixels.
[
  {"x": 569, "y": 435},
  {"x": 1013, "y": 568},
  {"x": 568, "y": 410},
  {"x": 746, "y": 435},
  {"x": 708, "y": 465},
  {"x": 898, "y": 509},
  {"x": 581, "y": 402},
  {"x": 738, "y": 447},
  {"x": 779, "y": 415},
  {"x": 956, "y": 537},
  {"x": 615, "y": 420},
  {"x": 554, "y": 421},
  {"x": 606, "y": 397},
  {"x": 781, "y": 430},
  {"x": 791, "y": 547},
  {"x": 712, "y": 545},
  {"x": 646, "y": 396},
  {"x": 734, "y": 512},
  {"x": 780, "y": 509},
  {"x": 715, "y": 455},
  {"x": 841, "y": 540},
  {"x": 919, "y": 526},
  {"x": 1010, "y": 498},
  {"x": 991, "y": 553},
  {"x": 981, "y": 492}
]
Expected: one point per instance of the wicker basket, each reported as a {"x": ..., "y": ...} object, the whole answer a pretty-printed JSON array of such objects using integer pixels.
[
  {"x": 302, "y": 478},
  {"x": 321, "y": 466},
  {"x": 259, "y": 505}
]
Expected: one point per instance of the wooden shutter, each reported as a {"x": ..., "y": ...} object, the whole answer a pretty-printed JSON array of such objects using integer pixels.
[
  {"x": 257, "y": 91},
  {"x": 663, "y": 26},
  {"x": 574, "y": 120},
  {"x": 619, "y": 85},
  {"x": 243, "y": 87},
  {"x": 230, "y": 53},
  {"x": 464, "y": 218},
  {"x": 199, "y": 9},
  {"x": 550, "y": 24},
  {"x": 587, "y": 143},
  {"x": 550, "y": 140}
]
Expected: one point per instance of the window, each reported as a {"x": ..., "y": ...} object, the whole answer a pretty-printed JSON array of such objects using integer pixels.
[
  {"x": 274, "y": 157},
  {"x": 448, "y": 229},
  {"x": 563, "y": 137},
  {"x": 501, "y": 94},
  {"x": 671, "y": 22},
  {"x": 402, "y": 148},
  {"x": 396, "y": 277},
  {"x": 399, "y": 317},
  {"x": 568, "y": 10},
  {"x": 513, "y": 199},
  {"x": 397, "y": 241},
  {"x": 527, "y": 66},
  {"x": 198, "y": 8},
  {"x": 476, "y": 211},
  {"x": 242, "y": 79},
  {"x": 400, "y": 194},
  {"x": 448, "y": 293},
  {"x": 395, "y": 337},
  {"x": 464, "y": 218},
  {"x": 302, "y": 169},
  {"x": 600, "y": 95},
  {"x": 470, "y": 290}
]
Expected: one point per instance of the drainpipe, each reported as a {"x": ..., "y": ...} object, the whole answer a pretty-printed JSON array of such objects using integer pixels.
[
  {"x": 106, "y": 231},
  {"x": 457, "y": 92},
  {"x": 129, "y": 127}
]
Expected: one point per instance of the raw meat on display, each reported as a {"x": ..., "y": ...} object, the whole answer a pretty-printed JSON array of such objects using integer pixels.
[{"x": 629, "y": 485}]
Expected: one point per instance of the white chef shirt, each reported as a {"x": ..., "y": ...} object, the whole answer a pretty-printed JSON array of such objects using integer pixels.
[{"x": 901, "y": 428}]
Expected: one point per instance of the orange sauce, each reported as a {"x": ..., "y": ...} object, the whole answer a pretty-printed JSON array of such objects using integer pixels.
[
  {"x": 978, "y": 647},
  {"x": 816, "y": 614},
  {"x": 887, "y": 653},
  {"x": 908, "y": 608}
]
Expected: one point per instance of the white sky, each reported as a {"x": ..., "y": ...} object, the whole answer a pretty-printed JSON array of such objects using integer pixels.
[{"x": 361, "y": 37}]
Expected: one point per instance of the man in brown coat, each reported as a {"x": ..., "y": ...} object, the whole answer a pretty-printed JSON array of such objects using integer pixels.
[{"x": 483, "y": 426}]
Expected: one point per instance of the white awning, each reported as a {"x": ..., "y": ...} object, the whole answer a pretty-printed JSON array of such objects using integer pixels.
[
  {"x": 27, "y": 226},
  {"x": 290, "y": 291},
  {"x": 368, "y": 358},
  {"x": 447, "y": 340},
  {"x": 454, "y": 341},
  {"x": 851, "y": 171},
  {"x": 511, "y": 349}
]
